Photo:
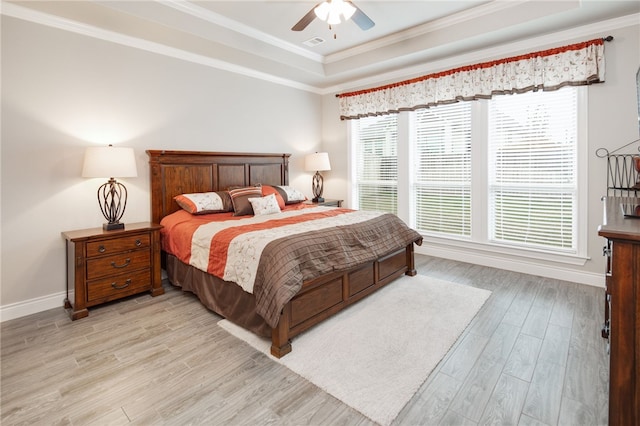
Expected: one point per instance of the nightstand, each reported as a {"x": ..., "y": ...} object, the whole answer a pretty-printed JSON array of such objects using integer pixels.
[
  {"x": 327, "y": 202},
  {"x": 107, "y": 265}
]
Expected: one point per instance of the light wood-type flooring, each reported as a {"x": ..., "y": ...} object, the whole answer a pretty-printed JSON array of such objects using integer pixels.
[{"x": 532, "y": 356}]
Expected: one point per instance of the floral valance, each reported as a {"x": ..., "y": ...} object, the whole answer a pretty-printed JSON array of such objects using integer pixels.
[{"x": 573, "y": 65}]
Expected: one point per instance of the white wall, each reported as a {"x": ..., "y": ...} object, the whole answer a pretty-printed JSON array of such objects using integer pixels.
[
  {"x": 613, "y": 122},
  {"x": 62, "y": 92}
]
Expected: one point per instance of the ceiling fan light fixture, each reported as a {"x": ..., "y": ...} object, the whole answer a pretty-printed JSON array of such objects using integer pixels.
[
  {"x": 347, "y": 10},
  {"x": 331, "y": 10},
  {"x": 334, "y": 17},
  {"x": 322, "y": 11}
]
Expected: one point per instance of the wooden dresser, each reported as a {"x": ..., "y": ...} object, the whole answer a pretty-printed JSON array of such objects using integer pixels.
[
  {"x": 108, "y": 265},
  {"x": 622, "y": 310}
]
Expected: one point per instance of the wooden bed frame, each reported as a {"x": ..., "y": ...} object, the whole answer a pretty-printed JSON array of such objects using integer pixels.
[{"x": 179, "y": 172}]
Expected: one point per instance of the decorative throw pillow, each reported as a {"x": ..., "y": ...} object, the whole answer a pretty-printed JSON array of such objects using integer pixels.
[
  {"x": 290, "y": 194},
  {"x": 267, "y": 189},
  {"x": 265, "y": 205},
  {"x": 240, "y": 199},
  {"x": 205, "y": 202}
]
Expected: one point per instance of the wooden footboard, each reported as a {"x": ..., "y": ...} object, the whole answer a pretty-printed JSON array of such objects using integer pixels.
[{"x": 327, "y": 295}]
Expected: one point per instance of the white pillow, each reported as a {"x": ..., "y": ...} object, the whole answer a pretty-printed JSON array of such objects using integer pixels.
[
  {"x": 293, "y": 194},
  {"x": 201, "y": 202},
  {"x": 265, "y": 205}
]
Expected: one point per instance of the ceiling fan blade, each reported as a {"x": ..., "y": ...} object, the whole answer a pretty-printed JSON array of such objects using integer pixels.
[
  {"x": 306, "y": 20},
  {"x": 361, "y": 19}
]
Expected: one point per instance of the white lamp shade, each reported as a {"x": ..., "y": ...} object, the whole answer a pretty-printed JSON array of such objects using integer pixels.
[
  {"x": 109, "y": 162},
  {"x": 317, "y": 162}
]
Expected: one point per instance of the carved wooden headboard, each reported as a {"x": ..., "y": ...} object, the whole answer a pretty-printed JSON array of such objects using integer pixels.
[{"x": 183, "y": 172}]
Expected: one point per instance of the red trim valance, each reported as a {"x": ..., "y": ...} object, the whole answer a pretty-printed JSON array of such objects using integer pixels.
[{"x": 575, "y": 64}]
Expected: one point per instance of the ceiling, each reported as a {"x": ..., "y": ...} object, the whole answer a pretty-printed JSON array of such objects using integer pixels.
[{"x": 255, "y": 37}]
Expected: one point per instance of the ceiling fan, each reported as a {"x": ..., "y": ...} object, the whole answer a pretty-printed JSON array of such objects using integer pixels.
[{"x": 331, "y": 11}]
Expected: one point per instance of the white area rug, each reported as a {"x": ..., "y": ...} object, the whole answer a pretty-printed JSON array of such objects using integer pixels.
[{"x": 374, "y": 355}]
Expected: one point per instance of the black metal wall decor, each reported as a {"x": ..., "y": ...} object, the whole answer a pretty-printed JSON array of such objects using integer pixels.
[{"x": 623, "y": 171}]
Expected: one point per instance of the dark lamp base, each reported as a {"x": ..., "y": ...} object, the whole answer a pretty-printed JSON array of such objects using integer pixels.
[
  {"x": 112, "y": 226},
  {"x": 318, "y": 200}
]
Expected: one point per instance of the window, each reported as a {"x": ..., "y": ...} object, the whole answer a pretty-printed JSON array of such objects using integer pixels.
[
  {"x": 502, "y": 172},
  {"x": 442, "y": 169},
  {"x": 376, "y": 168},
  {"x": 533, "y": 169}
]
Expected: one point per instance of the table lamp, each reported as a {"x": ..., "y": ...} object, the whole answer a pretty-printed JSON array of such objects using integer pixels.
[
  {"x": 110, "y": 162},
  {"x": 317, "y": 162}
]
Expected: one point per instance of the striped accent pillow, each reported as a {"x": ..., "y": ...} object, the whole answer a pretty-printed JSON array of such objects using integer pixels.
[{"x": 240, "y": 199}]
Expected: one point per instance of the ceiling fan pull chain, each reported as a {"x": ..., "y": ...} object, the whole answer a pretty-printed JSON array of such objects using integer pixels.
[{"x": 334, "y": 33}]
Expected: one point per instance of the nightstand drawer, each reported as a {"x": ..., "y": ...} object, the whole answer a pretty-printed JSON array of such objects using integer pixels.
[
  {"x": 112, "y": 246},
  {"x": 103, "y": 266},
  {"x": 117, "y": 286},
  {"x": 117, "y": 264}
]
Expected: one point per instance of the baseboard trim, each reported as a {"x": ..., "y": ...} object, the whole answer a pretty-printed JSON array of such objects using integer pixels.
[
  {"x": 522, "y": 266},
  {"x": 32, "y": 306},
  {"x": 39, "y": 304}
]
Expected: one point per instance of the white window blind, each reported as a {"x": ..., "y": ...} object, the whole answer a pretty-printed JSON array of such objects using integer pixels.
[
  {"x": 507, "y": 173},
  {"x": 442, "y": 165},
  {"x": 377, "y": 163},
  {"x": 533, "y": 169}
]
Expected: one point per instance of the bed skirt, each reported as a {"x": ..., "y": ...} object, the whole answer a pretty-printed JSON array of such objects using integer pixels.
[{"x": 222, "y": 297}]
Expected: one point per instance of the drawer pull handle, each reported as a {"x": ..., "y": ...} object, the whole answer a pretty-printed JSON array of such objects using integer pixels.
[
  {"x": 124, "y": 265},
  {"x": 138, "y": 243},
  {"x": 102, "y": 249},
  {"x": 127, "y": 283}
]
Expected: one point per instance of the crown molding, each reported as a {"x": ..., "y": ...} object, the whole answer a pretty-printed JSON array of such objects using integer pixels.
[
  {"x": 594, "y": 30},
  {"x": 477, "y": 12},
  {"x": 217, "y": 19},
  {"x": 186, "y": 6},
  {"x": 26, "y": 14}
]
